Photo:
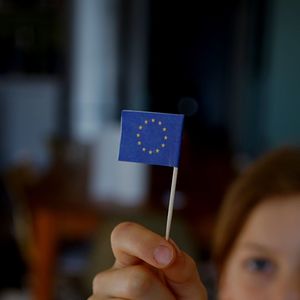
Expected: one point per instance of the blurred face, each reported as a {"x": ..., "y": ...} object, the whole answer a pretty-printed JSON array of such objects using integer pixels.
[{"x": 265, "y": 261}]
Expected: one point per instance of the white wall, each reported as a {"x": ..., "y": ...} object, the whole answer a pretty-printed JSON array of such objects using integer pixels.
[
  {"x": 94, "y": 91},
  {"x": 93, "y": 66},
  {"x": 29, "y": 116}
]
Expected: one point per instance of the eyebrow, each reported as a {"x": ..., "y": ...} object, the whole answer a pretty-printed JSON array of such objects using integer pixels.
[{"x": 256, "y": 247}]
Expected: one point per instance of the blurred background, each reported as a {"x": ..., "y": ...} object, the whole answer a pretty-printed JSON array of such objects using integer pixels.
[{"x": 68, "y": 68}]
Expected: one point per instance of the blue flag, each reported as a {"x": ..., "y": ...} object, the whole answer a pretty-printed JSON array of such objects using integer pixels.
[{"x": 151, "y": 138}]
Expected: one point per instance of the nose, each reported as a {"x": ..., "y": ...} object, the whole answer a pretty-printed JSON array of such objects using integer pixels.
[
  {"x": 288, "y": 289},
  {"x": 293, "y": 295}
]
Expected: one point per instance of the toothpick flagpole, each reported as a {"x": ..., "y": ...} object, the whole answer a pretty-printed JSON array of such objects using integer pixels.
[{"x": 171, "y": 202}]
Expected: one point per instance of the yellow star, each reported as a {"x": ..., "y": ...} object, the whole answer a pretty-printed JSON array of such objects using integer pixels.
[
  {"x": 157, "y": 150},
  {"x": 140, "y": 127},
  {"x": 144, "y": 149},
  {"x": 164, "y": 129},
  {"x": 150, "y": 151},
  {"x": 138, "y": 135},
  {"x": 165, "y": 137},
  {"x": 159, "y": 123},
  {"x": 146, "y": 121},
  {"x": 153, "y": 120},
  {"x": 163, "y": 145},
  {"x": 139, "y": 143}
]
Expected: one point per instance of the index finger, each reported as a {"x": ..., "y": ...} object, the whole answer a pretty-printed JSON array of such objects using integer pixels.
[{"x": 132, "y": 244}]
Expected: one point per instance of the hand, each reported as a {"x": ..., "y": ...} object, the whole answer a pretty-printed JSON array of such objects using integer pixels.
[{"x": 147, "y": 267}]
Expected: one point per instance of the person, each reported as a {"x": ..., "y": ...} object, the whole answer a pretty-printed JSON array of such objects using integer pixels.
[{"x": 256, "y": 247}]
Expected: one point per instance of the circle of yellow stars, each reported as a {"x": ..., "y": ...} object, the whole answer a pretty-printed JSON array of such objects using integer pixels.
[{"x": 157, "y": 149}]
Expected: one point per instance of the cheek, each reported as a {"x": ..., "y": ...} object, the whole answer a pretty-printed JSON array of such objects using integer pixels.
[
  {"x": 231, "y": 288},
  {"x": 235, "y": 286}
]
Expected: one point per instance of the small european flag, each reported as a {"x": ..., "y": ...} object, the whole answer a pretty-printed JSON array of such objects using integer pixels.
[{"x": 151, "y": 138}]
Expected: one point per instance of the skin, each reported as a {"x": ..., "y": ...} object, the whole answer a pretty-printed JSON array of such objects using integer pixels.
[
  {"x": 147, "y": 267},
  {"x": 263, "y": 265},
  {"x": 265, "y": 261}
]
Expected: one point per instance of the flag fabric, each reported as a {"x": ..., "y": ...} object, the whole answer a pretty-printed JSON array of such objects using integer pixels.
[{"x": 151, "y": 138}]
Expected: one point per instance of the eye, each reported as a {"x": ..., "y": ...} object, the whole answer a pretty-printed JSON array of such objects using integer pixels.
[{"x": 260, "y": 265}]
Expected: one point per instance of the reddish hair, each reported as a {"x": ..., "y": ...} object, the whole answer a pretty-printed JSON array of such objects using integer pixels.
[{"x": 276, "y": 174}]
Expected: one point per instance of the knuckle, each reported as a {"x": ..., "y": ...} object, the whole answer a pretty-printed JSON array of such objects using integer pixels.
[
  {"x": 120, "y": 229},
  {"x": 97, "y": 283},
  {"x": 190, "y": 268},
  {"x": 140, "y": 281},
  {"x": 191, "y": 262}
]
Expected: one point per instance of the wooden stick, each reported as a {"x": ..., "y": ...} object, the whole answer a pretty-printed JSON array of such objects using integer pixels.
[{"x": 171, "y": 202}]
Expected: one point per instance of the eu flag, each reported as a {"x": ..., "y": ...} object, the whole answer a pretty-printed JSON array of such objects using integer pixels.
[{"x": 151, "y": 138}]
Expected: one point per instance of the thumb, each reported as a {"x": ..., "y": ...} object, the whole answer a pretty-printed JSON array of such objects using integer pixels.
[
  {"x": 133, "y": 244},
  {"x": 183, "y": 277}
]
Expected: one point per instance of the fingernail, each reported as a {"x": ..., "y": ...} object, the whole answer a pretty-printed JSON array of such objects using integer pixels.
[{"x": 163, "y": 255}]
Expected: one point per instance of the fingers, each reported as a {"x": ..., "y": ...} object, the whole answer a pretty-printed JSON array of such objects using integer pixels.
[
  {"x": 132, "y": 243},
  {"x": 183, "y": 278},
  {"x": 133, "y": 282}
]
